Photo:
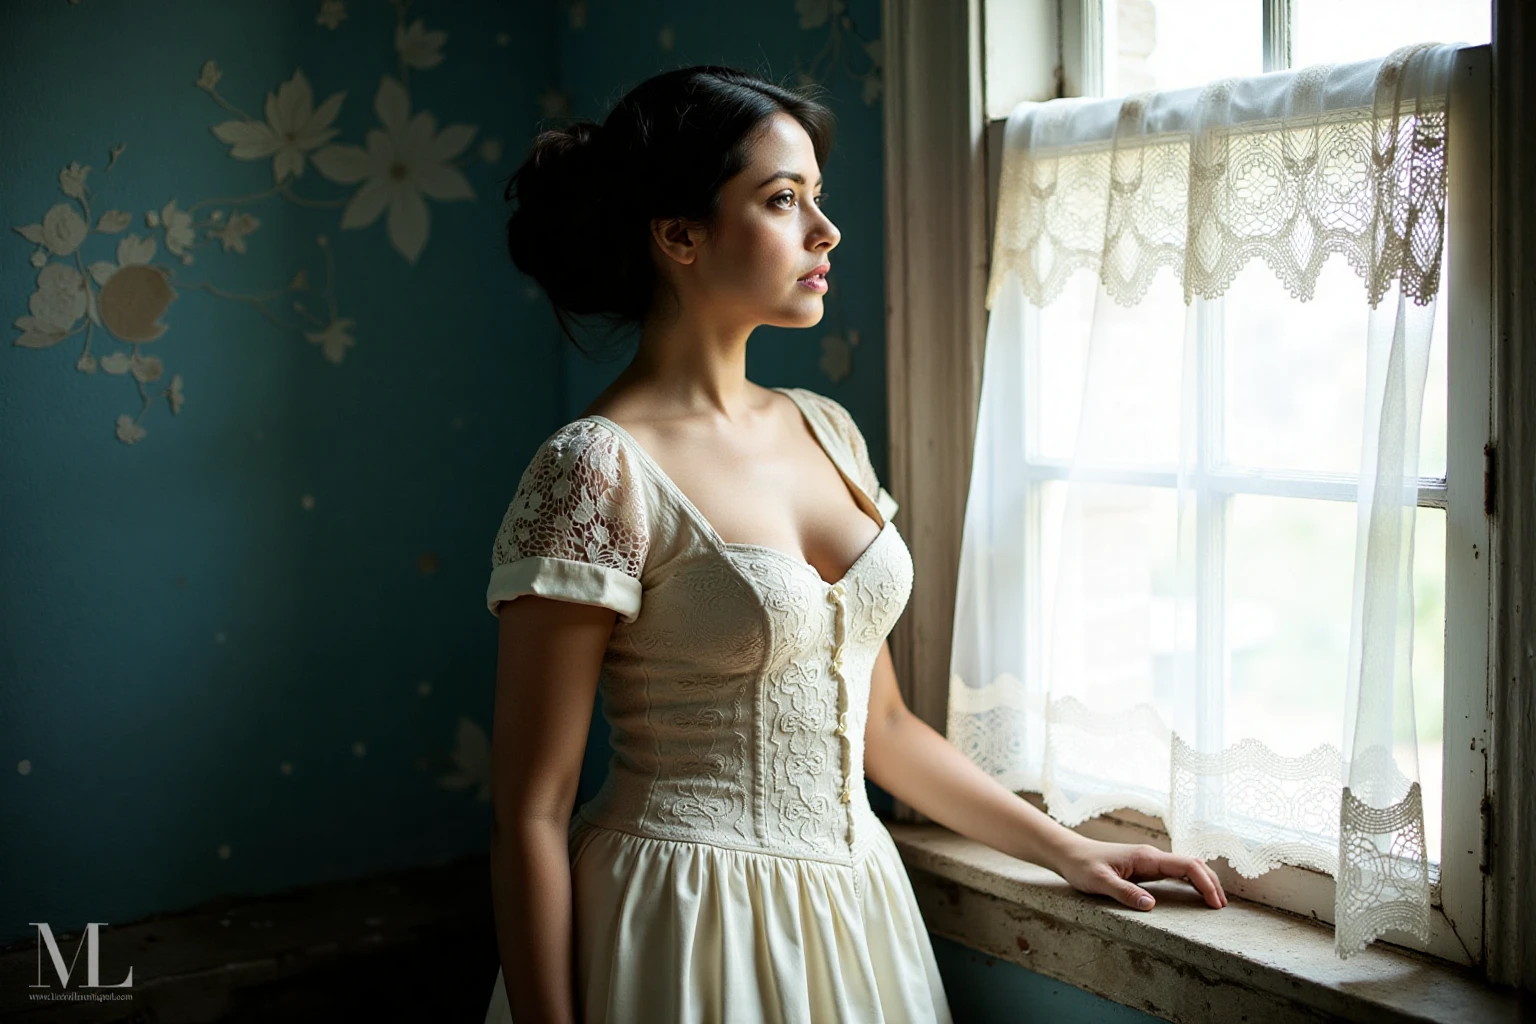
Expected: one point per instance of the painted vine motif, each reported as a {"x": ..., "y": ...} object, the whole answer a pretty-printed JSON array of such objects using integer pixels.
[{"x": 126, "y": 300}]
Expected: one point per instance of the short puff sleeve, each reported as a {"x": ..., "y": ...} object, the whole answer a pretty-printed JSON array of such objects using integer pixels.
[
  {"x": 842, "y": 423},
  {"x": 576, "y": 529}
]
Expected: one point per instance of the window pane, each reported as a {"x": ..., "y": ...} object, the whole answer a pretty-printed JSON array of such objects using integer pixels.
[
  {"x": 1290, "y": 567},
  {"x": 1137, "y": 355},
  {"x": 1332, "y": 31},
  {"x": 1290, "y": 563},
  {"x": 1175, "y": 44},
  {"x": 1295, "y": 375},
  {"x": 1110, "y": 581},
  {"x": 1295, "y": 371}
]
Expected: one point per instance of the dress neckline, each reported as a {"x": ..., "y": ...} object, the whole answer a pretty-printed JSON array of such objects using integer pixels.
[{"x": 714, "y": 535}]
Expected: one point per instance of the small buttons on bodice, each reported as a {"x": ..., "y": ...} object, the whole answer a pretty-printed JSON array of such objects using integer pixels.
[{"x": 835, "y": 595}]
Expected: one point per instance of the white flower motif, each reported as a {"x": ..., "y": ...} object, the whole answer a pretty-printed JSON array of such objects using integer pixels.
[
  {"x": 209, "y": 77},
  {"x": 178, "y": 228},
  {"x": 332, "y": 13},
  {"x": 490, "y": 151},
  {"x": 404, "y": 161},
  {"x": 72, "y": 180},
  {"x": 38, "y": 258},
  {"x": 62, "y": 230},
  {"x": 293, "y": 128},
  {"x": 419, "y": 48},
  {"x": 335, "y": 339},
  {"x": 61, "y": 299},
  {"x": 128, "y": 431},
  {"x": 174, "y": 395},
  {"x": 232, "y": 233}
]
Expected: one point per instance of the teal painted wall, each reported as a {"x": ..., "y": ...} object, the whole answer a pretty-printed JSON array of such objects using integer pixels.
[
  {"x": 238, "y": 650},
  {"x": 244, "y": 643},
  {"x": 982, "y": 988}
]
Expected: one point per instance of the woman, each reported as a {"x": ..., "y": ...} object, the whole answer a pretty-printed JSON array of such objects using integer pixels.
[{"x": 719, "y": 557}]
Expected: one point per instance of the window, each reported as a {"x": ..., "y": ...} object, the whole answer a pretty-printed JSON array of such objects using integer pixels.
[{"x": 1276, "y": 552}]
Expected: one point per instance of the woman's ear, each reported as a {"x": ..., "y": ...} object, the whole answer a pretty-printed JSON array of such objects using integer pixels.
[{"x": 678, "y": 238}]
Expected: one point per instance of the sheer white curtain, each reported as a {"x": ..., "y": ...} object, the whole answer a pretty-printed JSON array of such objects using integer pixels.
[{"x": 1094, "y": 628}]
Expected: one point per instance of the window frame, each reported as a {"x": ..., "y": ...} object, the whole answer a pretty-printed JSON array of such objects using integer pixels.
[{"x": 1458, "y": 896}]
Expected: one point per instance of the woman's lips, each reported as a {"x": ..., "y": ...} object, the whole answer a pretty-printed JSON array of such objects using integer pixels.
[{"x": 816, "y": 283}]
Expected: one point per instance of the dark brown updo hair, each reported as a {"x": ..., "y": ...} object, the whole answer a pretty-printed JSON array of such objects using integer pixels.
[{"x": 586, "y": 194}]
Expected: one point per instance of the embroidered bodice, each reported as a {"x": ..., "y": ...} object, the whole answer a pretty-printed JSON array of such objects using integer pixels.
[{"x": 736, "y": 681}]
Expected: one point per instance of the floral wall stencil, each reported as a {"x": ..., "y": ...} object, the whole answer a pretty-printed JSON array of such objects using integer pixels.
[
  {"x": 403, "y": 162},
  {"x": 842, "y": 36},
  {"x": 269, "y": 369}
]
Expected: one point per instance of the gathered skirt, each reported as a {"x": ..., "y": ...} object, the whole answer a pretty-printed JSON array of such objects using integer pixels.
[{"x": 690, "y": 933}]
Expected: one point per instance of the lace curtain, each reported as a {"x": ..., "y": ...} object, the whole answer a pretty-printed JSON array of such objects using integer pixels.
[{"x": 1094, "y": 635}]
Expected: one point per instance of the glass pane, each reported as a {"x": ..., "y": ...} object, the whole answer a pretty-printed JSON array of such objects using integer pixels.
[
  {"x": 1295, "y": 375},
  {"x": 1295, "y": 371},
  {"x": 1109, "y": 593},
  {"x": 1290, "y": 570},
  {"x": 1124, "y": 361},
  {"x": 1333, "y": 31},
  {"x": 1290, "y": 564},
  {"x": 1175, "y": 44}
]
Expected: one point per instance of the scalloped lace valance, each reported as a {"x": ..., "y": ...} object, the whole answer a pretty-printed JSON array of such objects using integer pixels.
[{"x": 1287, "y": 167}]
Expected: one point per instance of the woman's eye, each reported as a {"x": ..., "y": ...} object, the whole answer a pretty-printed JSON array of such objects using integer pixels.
[{"x": 791, "y": 195}]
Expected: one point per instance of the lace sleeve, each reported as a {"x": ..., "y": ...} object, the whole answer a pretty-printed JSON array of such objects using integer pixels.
[
  {"x": 576, "y": 529},
  {"x": 842, "y": 423}
]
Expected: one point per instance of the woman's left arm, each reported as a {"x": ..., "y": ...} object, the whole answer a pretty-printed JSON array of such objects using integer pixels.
[{"x": 914, "y": 763}]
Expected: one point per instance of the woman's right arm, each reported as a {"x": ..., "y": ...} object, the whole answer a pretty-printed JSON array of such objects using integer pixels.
[{"x": 548, "y": 659}]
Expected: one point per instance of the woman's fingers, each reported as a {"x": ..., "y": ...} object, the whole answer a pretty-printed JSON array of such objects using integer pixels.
[
  {"x": 1127, "y": 892},
  {"x": 1205, "y": 880},
  {"x": 1199, "y": 874}
]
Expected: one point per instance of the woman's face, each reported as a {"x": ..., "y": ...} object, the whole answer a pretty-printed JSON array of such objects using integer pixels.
[{"x": 770, "y": 232}]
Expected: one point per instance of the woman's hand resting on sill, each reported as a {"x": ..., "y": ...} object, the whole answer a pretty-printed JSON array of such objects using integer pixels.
[{"x": 1112, "y": 869}]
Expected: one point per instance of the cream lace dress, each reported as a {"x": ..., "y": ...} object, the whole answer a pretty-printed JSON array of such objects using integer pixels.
[{"x": 730, "y": 868}]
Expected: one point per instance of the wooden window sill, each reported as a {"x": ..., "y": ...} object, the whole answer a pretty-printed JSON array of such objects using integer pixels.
[{"x": 1182, "y": 961}]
